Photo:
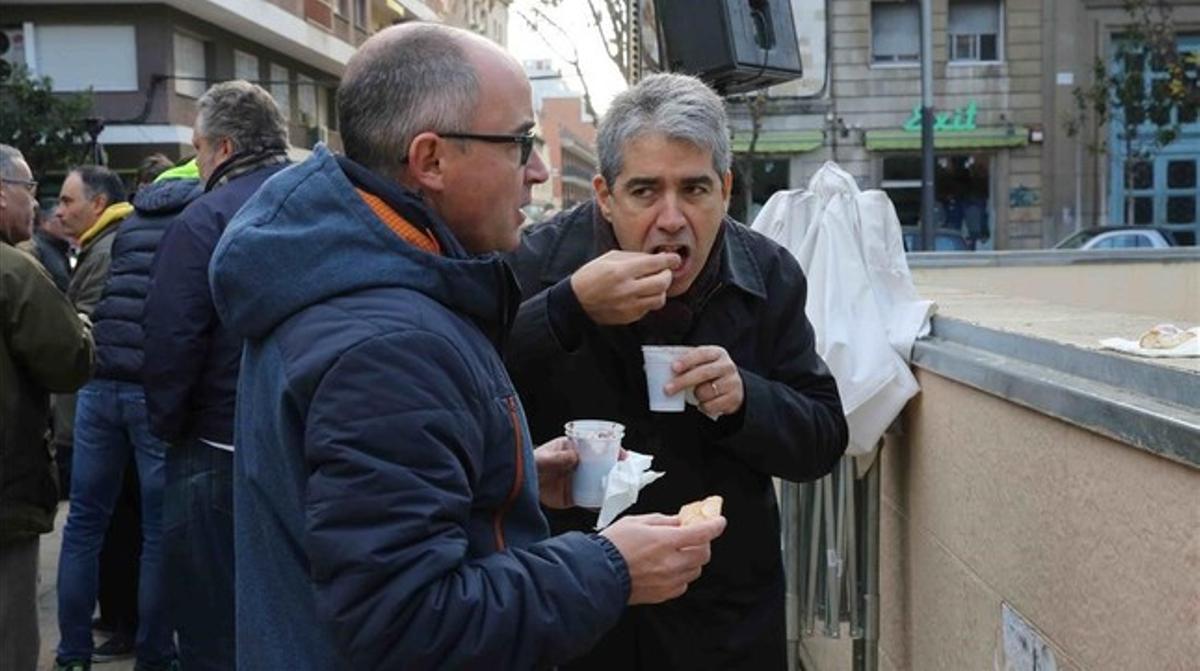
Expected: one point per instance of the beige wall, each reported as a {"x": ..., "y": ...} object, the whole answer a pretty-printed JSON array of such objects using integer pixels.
[
  {"x": 1167, "y": 291},
  {"x": 1096, "y": 544}
]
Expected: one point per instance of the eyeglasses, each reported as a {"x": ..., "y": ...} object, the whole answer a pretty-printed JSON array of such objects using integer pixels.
[
  {"x": 524, "y": 139},
  {"x": 29, "y": 184}
]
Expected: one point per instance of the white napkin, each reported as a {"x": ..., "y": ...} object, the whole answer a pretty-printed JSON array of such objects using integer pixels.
[
  {"x": 625, "y": 480},
  {"x": 1190, "y": 348}
]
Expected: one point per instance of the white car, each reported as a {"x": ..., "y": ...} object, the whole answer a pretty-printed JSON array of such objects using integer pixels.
[{"x": 1117, "y": 237}]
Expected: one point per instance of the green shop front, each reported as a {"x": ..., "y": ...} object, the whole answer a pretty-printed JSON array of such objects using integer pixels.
[{"x": 971, "y": 170}]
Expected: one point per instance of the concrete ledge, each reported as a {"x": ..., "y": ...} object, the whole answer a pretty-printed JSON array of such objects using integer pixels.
[
  {"x": 1050, "y": 257},
  {"x": 1147, "y": 406}
]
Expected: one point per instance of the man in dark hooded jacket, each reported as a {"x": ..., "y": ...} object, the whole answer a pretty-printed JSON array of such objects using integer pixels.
[
  {"x": 111, "y": 428},
  {"x": 653, "y": 260},
  {"x": 386, "y": 489},
  {"x": 191, "y": 367}
]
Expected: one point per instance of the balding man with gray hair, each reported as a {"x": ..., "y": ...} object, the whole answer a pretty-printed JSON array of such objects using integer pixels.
[
  {"x": 654, "y": 260},
  {"x": 190, "y": 368},
  {"x": 387, "y": 490}
]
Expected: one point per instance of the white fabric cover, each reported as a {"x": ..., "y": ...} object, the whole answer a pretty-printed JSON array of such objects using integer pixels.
[{"x": 861, "y": 299}]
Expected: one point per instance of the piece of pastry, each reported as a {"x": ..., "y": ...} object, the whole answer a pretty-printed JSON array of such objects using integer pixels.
[
  {"x": 1165, "y": 336},
  {"x": 699, "y": 511}
]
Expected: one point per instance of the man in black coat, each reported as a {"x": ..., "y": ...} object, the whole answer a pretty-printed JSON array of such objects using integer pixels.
[
  {"x": 49, "y": 245},
  {"x": 654, "y": 260},
  {"x": 112, "y": 429}
]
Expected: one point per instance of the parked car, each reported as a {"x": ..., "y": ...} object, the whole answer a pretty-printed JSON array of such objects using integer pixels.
[
  {"x": 944, "y": 240},
  {"x": 1118, "y": 237}
]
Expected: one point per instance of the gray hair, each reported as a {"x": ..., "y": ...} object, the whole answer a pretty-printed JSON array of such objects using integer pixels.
[
  {"x": 405, "y": 81},
  {"x": 8, "y": 159},
  {"x": 243, "y": 112},
  {"x": 681, "y": 107}
]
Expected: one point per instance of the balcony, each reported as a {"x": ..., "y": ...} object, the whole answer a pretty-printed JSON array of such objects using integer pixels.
[{"x": 280, "y": 25}]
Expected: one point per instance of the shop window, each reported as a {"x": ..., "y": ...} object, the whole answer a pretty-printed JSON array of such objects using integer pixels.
[
  {"x": 974, "y": 31},
  {"x": 191, "y": 74},
  {"x": 1181, "y": 174},
  {"x": 1181, "y": 209},
  {"x": 770, "y": 175},
  {"x": 1143, "y": 210},
  {"x": 895, "y": 32},
  {"x": 962, "y": 208}
]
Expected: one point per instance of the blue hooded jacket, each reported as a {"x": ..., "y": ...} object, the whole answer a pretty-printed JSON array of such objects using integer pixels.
[{"x": 386, "y": 507}]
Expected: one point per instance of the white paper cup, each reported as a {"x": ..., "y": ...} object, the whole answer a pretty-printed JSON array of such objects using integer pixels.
[
  {"x": 657, "y": 362},
  {"x": 598, "y": 443}
]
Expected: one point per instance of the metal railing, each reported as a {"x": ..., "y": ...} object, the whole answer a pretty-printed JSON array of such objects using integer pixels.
[{"x": 831, "y": 561}]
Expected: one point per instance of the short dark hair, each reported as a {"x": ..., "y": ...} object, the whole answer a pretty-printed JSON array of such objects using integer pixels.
[
  {"x": 406, "y": 80},
  {"x": 99, "y": 180},
  {"x": 151, "y": 167}
]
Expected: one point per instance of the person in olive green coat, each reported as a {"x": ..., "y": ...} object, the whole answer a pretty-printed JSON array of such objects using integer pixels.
[{"x": 45, "y": 347}]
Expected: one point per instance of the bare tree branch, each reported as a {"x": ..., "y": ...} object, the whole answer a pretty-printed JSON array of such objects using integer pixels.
[{"x": 572, "y": 60}]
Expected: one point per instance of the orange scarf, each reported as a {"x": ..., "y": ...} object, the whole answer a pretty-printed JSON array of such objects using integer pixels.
[{"x": 411, "y": 234}]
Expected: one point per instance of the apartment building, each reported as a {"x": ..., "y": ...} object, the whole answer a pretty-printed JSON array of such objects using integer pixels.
[
  {"x": 1008, "y": 176},
  {"x": 148, "y": 63},
  {"x": 486, "y": 17},
  {"x": 568, "y": 139}
]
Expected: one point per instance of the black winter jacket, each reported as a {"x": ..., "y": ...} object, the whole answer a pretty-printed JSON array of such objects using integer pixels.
[
  {"x": 791, "y": 426},
  {"x": 118, "y": 316}
]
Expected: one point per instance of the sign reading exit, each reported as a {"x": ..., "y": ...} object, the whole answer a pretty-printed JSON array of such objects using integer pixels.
[{"x": 956, "y": 120}]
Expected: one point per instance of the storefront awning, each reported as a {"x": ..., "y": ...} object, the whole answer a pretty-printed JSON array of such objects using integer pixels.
[
  {"x": 980, "y": 138},
  {"x": 779, "y": 142}
]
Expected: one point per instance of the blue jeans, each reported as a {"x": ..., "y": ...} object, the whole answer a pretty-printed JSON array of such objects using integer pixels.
[
  {"x": 110, "y": 426},
  {"x": 198, "y": 517}
]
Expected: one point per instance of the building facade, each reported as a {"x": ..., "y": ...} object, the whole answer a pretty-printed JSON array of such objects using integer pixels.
[
  {"x": 486, "y": 17},
  {"x": 1008, "y": 176},
  {"x": 568, "y": 139},
  {"x": 148, "y": 64}
]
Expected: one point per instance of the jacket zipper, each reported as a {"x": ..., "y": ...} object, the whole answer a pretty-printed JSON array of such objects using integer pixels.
[{"x": 518, "y": 478}]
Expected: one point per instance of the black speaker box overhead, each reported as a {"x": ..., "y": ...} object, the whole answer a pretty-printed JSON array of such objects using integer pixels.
[{"x": 734, "y": 45}]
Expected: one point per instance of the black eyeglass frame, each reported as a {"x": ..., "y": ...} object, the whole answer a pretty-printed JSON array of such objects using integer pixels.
[
  {"x": 525, "y": 140},
  {"x": 30, "y": 185}
]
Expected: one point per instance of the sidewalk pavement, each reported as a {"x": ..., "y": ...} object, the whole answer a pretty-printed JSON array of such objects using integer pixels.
[{"x": 48, "y": 600}]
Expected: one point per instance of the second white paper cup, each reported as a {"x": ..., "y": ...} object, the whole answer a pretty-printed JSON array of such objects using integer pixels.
[
  {"x": 598, "y": 443},
  {"x": 657, "y": 360}
]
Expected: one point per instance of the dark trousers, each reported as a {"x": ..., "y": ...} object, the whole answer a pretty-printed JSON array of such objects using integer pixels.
[
  {"x": 120, "y": 557},
  {"x": 198, "y": 521}
]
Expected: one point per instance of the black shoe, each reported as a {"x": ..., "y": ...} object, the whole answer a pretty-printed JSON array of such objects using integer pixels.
[
  {"x": 120, "y": 646},
  {"x": 169, "y": 665},
  {"x": 103, "y": 626},
  {"x": 73, "y": 665}
]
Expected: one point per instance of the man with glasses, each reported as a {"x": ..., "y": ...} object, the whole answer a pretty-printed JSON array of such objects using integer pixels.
[
  {"x": 387, "y": 494},
  {"x": 44, "y": 347}
]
